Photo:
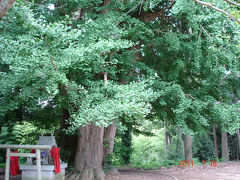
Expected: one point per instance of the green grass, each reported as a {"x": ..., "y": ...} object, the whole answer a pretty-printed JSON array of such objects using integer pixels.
[{"x": 2, "y": 165}]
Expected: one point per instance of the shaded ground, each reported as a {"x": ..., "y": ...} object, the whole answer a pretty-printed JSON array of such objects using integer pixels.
[
  {"x": 223, "y": 171},
  {"x": 132, "y": 174}
]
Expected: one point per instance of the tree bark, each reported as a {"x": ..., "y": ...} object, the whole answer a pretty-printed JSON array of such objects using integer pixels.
[
  {"x": 108, "y": 138},
  {"x": 181, "y": 139},
  {"x": 225, "y": 153},
  {"x": 238, "y": 143},
  {"x": 215, "y": 141},
  {"x": 89, "y": 155},
  {"x": 167, "y": 140},
  {"x": 188, "y": 147},
  {"x": 110, "y": 131},
  {"x": 5, "y": 5}
]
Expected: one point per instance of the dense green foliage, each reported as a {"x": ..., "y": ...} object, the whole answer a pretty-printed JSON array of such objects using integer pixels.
[
  {"x": 53, "y": 63},
  {"x": 203, "y": 148},
  {"x": 148, "y": 151}
]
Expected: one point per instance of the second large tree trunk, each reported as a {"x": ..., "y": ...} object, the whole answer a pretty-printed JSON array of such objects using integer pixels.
[
  {"x": 108, "y": 138},
  {"x": 89, "y": 155},
  {"x": 188, "y": 147},
  {"x": 225, "y": 153},
  {"x": 108, "y": 145}
]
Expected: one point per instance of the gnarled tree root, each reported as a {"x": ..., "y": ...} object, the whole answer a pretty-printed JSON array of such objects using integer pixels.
[{"x": 87, "y": 174}]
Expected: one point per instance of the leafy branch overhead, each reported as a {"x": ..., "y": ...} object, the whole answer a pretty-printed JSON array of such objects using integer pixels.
[
  {"x": 221, "y": 10},
  {"x": 169, "y": 59}
]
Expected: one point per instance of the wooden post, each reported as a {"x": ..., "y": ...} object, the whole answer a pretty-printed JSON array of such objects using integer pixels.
[
  {"x": 7, "y": 164},
  {"x": 38, "y": 164}
]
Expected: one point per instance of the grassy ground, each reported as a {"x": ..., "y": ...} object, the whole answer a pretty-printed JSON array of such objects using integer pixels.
[{"x": 2, "y": 165}]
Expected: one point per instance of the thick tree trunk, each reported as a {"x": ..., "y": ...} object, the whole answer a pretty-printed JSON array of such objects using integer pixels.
[
  {"x": 5, "y": 5},
  {"x": 188, "y": 147},
  {"x": 108, "y": 139},
  {"x": 89, "y": 155},
  {"x": 225, "y": 153},
  {"x": 215, "y": 141}
]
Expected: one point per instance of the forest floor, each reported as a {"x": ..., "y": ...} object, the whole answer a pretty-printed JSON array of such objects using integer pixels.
[{"x": 223, "y": 171}]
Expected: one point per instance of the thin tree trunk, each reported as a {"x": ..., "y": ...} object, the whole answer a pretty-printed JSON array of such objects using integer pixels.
[
  {"x": 215, "y": 141},
  {"x": 232, "y": 149},
  {"x": 178, "y": 146},
  {"x": 188, "y": 147},
  {"x": 167, "y": 139},
  {"x": 180, "y": 134},
  {"x": 237, "y": 148},
  {"x": 238, "y": 143},
  {"x": 89, "y": 155},
  {"x": 225, "y": 153}
]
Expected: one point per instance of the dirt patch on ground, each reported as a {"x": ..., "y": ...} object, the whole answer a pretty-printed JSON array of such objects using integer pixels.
[
  {"x": 223, "y": 171},
  {"x": 132, "y": 174}
]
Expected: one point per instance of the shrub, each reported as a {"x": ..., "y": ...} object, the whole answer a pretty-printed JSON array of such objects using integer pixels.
[
  {"x": 203, "y": 148},
  {"x": 148, "y": 152}
]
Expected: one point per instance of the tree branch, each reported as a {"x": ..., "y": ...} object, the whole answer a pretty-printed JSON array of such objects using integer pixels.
[
  {"x": 105, "y": 78},
  {"x": 5, "y": 5},
  {"x": 189, "y": 95},
  {"x": 147, "y": 17},
  {"x": 217, "y": 9},
  {"x": 53, "y": 64},
  {"x": 77, "y": 14},
  {"x": 233, "y": 3}
]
